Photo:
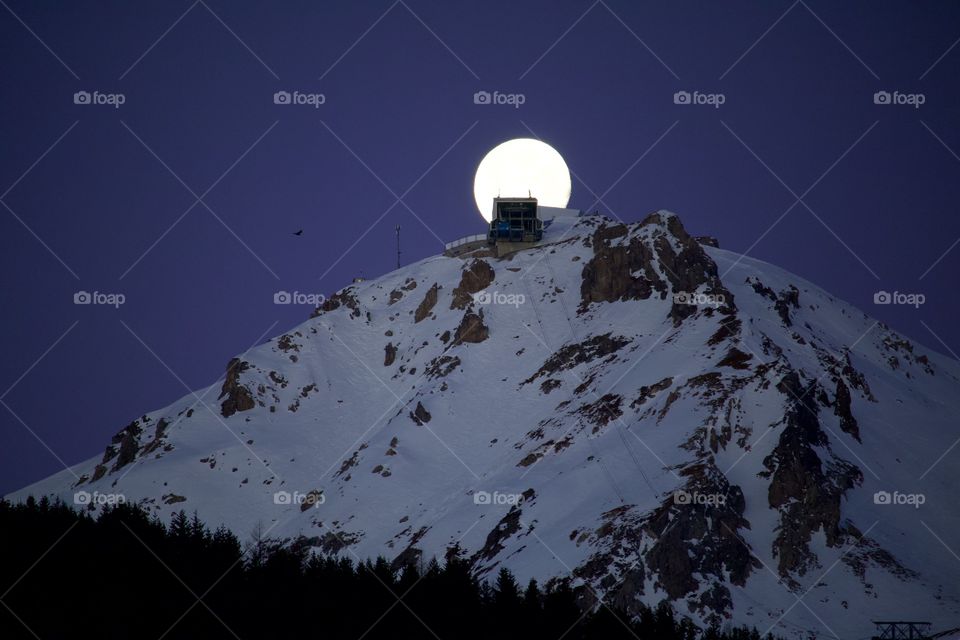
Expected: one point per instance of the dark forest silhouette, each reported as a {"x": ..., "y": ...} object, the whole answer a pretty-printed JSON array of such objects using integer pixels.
[{"x": 125, "y": 574}]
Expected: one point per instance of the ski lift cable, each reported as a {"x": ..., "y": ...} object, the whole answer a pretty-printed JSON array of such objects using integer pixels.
[
  {"x": 563, "y": 305},
  {"x": 603, "y": 466},
  {"x": 626, "y": 444}
]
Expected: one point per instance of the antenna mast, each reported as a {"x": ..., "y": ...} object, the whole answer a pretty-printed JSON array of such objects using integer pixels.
[{"x": 398, "y": 246}]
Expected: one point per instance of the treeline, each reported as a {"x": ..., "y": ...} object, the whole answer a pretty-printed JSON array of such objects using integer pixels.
[{"x": 125, "y": 574}]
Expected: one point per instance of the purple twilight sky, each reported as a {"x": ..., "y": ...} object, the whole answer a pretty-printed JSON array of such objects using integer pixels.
[{"x": 184, "y": 197}]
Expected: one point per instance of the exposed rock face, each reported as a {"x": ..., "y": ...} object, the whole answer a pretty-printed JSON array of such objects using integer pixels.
[
  {"x": 735, "y": 359},
  {"x": 898, "y": 346},
  {"x": 842, "y": 409},
  {"x": 288, "y": 344},
  {"x": 238, "y": 397},
  {"x": 345, "y": 297},
  {"x": 697, "y": 534},
  {"x": 442, "y": 366},
  {"x": 389, "y": 354},
  {"x": 689, "y": 270},
  {"x": 649, "y": 391},
  {"x": 789, "y": 297},
  {"x": 689, "y": 546},
  {"x": 609, "y": 275},
  {"x": 420, "y": 415},
  {"x": 313, "y": 498},
  {"x": 128, "y": 440},
  {"x": 475, "y": 278},
  {"x": 158, "y": 434},
  {"x": 397, "y": 294},
  {"x": 429, "y": 302},
  {"x": 572, "y": 355},
  {"x": 471, "y": 329},
  {"x": 125, "y": 446},
  {"x": 656, "y": 256},
  {"x": 729, "y": 328},
  {"x": 782, "y": 302},
  {"x": 508, "y": 525},
  {"x": 804, "y": 489},
  {"x": 602, "y": 411}
]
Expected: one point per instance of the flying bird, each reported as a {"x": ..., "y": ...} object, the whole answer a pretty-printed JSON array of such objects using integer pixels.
[{"x": 298, "y": 233}]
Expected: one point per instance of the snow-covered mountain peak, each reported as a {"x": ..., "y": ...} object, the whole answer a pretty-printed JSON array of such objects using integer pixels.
[{"x": 624, "y": 404}]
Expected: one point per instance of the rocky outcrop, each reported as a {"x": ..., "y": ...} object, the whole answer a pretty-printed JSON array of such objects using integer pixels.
[
  {"x": 898, "y": 346},
  {"x": 609, "y": 275},
  {"x": 442, "y": 366},
  {"x": 343, "y": 298},
  {"x": 570, "y": 356},
  {"x": 397, "y": 294},
  {"x": 735, "y": 359},
  {"x": 689, "y": 270},
  {"x": 428, "y": 303},
  {"x": 841, "y": 409},
  {"x": 655, "y": 256},
  {"x": 647, "y": 392},
  {"x": 158, "y": 436},
  {"x": 602, "y": 411},
  {"x": 806, "y": 490},
  {"x": 420, "y": 415},
  {"x": 688, "y": 547},
  {"x": 313, "y": 499},
  {"x": 471, "y": 329},
  {"x": 238, "y": 397},
  {"x": 508, "y": 526},
  {"x": 696, "y": 535},
  {"x": 124, "y": 446},
  {"x": 389, "y": 354},
  {"x": 476, "y": 277},
  {"x": 782, "y": 302},
  {"x": 788, "y": 298}
]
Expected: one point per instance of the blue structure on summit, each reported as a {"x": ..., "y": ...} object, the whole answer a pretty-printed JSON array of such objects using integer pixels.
[{"x": 515, "y": 220}]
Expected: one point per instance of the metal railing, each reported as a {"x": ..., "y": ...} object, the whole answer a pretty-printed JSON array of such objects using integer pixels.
[{"x": 477, "y": 237}]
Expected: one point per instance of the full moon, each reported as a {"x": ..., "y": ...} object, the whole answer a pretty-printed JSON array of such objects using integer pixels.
[{"x": 520, "y": 168}]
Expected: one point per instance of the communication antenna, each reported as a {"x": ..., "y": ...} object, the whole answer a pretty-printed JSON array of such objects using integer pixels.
[{"x": 398, "y": 246}]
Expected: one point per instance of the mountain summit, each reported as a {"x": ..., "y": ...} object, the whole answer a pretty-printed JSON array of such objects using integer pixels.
[{"x": 625, "y": 405}]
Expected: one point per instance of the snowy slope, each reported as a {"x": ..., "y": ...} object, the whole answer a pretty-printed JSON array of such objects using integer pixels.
[{"x": 576, "y": 384}]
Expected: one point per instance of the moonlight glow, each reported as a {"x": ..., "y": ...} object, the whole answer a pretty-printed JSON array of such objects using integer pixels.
[{"x": 520, "y": 167}]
